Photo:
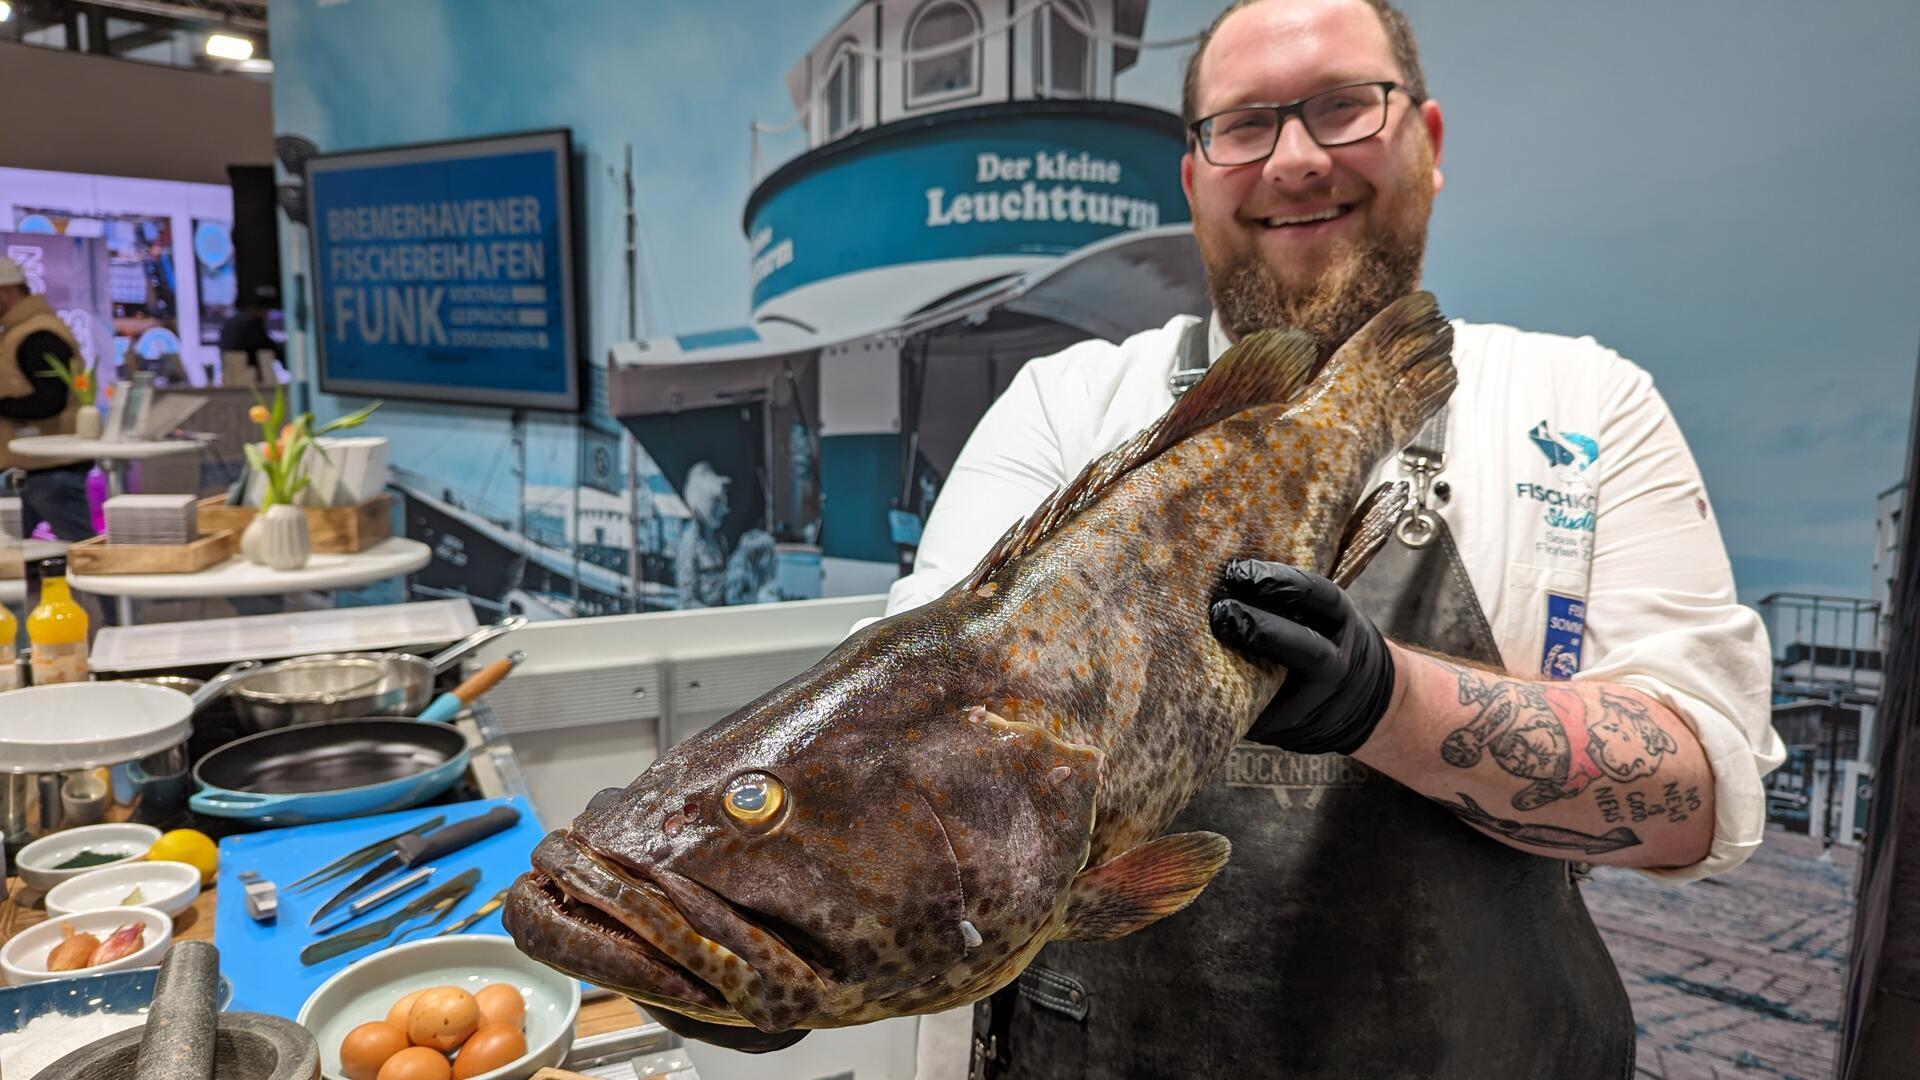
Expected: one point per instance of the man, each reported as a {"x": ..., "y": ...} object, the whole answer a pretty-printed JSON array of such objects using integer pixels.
[
  {"x": 1400, "y": 900},
  {"x": 700, "y": 557},
  {"x": 34, "y": 401}
]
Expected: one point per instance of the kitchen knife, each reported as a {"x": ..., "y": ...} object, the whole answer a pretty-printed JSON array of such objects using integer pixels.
[
  {"x": 413, "y": 849},
  {"x": 362, "y": 906},
  {"x": 436, "y": 903},
  {"x": 356, "y": 859}
]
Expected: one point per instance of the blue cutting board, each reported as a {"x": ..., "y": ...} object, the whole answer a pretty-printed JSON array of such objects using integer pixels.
[{"x": 262, "y": 960}]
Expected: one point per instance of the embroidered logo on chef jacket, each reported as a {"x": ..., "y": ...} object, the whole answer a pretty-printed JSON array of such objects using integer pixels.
[
  {"x": 1567, "y": 501},
  {"x": 1566, "y": 625}
]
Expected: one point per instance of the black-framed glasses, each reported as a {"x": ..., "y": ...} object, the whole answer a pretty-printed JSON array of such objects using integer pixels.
[{"x": 1336, "y": 117}]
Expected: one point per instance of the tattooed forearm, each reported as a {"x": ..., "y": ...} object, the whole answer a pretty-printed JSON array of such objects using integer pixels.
[
  {"x": 1542, "y": 836},
  {"x": 1547, "y": 735}
]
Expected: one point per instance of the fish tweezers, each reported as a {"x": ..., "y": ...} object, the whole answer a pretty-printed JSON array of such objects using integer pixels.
[{"x": 436, "y": 903}]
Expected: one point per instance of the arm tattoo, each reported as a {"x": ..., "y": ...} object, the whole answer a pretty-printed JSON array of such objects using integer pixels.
[
  {"x": 1547, "y": 736},
  {"x": 1546, "y": 836}
]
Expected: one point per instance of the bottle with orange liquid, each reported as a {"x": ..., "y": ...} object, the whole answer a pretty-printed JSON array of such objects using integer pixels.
[
  {"x": 9, "y": 661},
  {"x": 57, "y": 629}
]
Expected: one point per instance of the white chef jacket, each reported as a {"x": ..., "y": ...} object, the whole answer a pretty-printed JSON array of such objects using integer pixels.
[{"x": 1574, "y": 502}]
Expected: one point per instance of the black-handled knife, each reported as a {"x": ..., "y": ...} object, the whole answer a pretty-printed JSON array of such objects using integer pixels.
[
  {"x": 437, "y": 903},
  {"x": 413, "y": 849}
]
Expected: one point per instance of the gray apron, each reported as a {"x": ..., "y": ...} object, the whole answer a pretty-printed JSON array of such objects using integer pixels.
[{"x": 1359, "y": 931}]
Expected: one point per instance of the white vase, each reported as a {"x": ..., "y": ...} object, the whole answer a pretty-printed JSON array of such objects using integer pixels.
[
  {"x": 86, "y": 422},
  {"x": 277, "y": 537}
]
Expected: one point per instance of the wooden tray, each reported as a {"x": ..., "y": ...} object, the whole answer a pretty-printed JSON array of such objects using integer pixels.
[
  {"x": 336, "y": 530},
  {"x": 96, "y": 556}
]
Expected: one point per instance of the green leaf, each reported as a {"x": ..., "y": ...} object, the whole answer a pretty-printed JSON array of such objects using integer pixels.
[{"x": 351, "y": 420}]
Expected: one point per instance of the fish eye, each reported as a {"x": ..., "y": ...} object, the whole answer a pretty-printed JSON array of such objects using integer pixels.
[{"x": 754, "y": 800}]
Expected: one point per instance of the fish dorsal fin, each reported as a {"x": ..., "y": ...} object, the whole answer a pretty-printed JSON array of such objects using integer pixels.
[
  {"x": 1143, "y": 886},
  {"x": 1266, "y": 368}
]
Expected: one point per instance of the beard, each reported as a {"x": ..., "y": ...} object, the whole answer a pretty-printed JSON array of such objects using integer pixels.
[{"x": 1361, "y": 278}]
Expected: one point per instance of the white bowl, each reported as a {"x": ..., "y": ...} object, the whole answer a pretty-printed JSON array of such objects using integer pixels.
[
  {"x": 164, "y": 886},
  {"x": 64, "y": 727},
  {"x": 37, "y": 862},
  {"x": 24, "y": 958},
  {"x": 367, "y": 990}
]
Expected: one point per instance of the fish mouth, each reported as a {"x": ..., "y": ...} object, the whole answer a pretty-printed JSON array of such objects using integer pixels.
[{"x": 658, "y": 937}]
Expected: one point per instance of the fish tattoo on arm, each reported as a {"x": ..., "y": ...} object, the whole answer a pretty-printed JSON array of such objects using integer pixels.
[{"x": 1551, "y": 738}]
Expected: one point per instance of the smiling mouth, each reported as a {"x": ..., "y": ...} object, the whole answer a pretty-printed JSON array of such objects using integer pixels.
[
  {"x": 1289, "y": 221},
  {"x": 659, "y": 938}
]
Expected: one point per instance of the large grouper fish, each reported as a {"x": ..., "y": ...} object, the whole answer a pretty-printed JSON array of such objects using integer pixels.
[{"x": 901, "y": 828}]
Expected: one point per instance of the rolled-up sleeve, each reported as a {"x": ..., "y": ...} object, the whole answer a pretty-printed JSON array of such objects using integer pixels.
[{"x": 1662, "y": 614}]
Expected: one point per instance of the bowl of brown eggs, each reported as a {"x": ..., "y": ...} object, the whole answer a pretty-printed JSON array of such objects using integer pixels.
[{"x": 452, "y": 1008}]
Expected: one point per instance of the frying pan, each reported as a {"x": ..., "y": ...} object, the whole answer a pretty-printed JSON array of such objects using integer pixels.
[
  {"x": 329, "y": 769},
  {"x": 334, "y": 769}
]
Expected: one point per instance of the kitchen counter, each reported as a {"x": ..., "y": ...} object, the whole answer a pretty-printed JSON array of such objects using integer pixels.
[{"x": 607, "y": 1023}]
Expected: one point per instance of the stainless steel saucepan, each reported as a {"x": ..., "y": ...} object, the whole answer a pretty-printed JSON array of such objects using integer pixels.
[{"x": 339, "y": 686}]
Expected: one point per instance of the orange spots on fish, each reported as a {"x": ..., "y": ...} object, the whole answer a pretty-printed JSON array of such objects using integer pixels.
[
  {"x": 989, "y": 589},
  {"x": 713, "y": 947}
]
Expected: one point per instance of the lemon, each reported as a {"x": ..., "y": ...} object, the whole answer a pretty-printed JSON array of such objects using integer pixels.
[{"x": 190, "y": 846}]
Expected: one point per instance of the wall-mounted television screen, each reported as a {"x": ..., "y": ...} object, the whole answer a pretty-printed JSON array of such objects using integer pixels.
[{"x": 445, "y": 272}]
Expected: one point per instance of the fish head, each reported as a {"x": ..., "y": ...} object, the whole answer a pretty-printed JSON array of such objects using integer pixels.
[{"x": 826, "y": 857}]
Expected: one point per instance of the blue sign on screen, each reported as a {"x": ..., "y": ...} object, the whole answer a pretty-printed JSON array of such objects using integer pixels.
[{"x": 445, "y": 272}]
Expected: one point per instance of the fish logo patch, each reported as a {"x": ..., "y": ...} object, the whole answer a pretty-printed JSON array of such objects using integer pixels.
[{"x": 1567, "y": 450}]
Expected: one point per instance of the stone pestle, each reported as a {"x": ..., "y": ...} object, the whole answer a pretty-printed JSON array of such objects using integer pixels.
[{"x": 178, "y": 1043}]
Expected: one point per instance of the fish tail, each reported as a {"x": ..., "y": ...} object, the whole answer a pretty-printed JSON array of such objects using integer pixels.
[
  {"x": 1417, "y": 346},
  {"x": 1407, "y": 351}
]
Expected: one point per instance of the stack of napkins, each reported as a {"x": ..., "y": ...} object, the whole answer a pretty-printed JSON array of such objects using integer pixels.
[
  {"x": 10, "y": 520},
  {"x": 151, "y": 519}
]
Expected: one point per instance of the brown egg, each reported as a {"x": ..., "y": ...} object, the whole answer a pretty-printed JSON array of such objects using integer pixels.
[
  {"x": 368, "y": 1047},
  {"x": 442, "y": 1018},
  {"x": 501, "y": 1003},
  {"x": 490, "y": 1048},
  {"x": 416, "y": 1063},
  {"x": 397, "y": 1016}
]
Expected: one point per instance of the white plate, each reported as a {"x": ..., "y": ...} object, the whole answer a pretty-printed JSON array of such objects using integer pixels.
[
  {"x": 68, "y": 726},
  {"x": 367, "y": 990},
  {"x": 24, "y": 957},
  {"x": 164, "y": 886},
  {"x": 37, "y": 861}
]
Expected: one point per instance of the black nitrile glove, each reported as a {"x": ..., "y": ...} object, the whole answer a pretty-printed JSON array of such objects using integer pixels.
[{"x": 1339, "y": 672}]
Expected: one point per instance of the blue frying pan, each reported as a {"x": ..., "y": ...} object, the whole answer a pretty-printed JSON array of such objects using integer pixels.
[{"x": 329, "y": 770}]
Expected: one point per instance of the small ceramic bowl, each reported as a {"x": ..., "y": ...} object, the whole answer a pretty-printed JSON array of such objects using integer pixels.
[
  {"x": 39, "y": 862},
  {"x": 24, "y": 957},
  {"x": 162, "y": 886},
  {"x": 367, "y": 990}
]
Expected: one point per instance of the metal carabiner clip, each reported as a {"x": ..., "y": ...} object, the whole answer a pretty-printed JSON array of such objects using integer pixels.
[{"x": 1419, "y": 525}]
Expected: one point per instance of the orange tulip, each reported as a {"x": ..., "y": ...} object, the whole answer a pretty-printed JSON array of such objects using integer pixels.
[
  {"x": 258, "y": 414},
  {"x": 272, "y": 452},
  {"x": 81, "y": 383}
]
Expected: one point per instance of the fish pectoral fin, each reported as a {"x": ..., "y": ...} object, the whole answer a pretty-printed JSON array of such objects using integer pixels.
[
  {"x": 1368, "y": 529},
  {"x": 1143, "y": 886}
]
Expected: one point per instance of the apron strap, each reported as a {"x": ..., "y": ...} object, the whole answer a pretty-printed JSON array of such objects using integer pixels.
[
  {"x": 1423, "y": 458},
  {"x": 1189, "y": 358}
]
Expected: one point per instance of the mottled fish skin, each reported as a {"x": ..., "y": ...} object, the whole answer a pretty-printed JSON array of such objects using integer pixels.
[{"x": 964, "y": 762}]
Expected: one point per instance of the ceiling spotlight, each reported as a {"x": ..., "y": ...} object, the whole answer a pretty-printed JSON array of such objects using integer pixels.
[
  {"x": 6, "y": 11},
  {"x": 229, "y": 47}
]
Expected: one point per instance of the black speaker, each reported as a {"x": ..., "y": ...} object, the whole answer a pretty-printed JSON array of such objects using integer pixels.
[{"x": 256, "y": 234}]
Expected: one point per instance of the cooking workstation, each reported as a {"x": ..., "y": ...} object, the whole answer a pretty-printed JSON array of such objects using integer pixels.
[{"x": 290, "y": 845}]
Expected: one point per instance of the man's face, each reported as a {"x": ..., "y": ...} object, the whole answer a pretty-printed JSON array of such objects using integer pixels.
[{"x": 1327, "y": 277}]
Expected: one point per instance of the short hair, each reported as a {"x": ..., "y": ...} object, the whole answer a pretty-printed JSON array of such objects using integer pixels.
[{"x": 1406, "y": 52}]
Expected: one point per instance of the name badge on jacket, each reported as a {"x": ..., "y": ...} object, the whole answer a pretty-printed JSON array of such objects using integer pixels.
[{"x": 1566, "y": 623}]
